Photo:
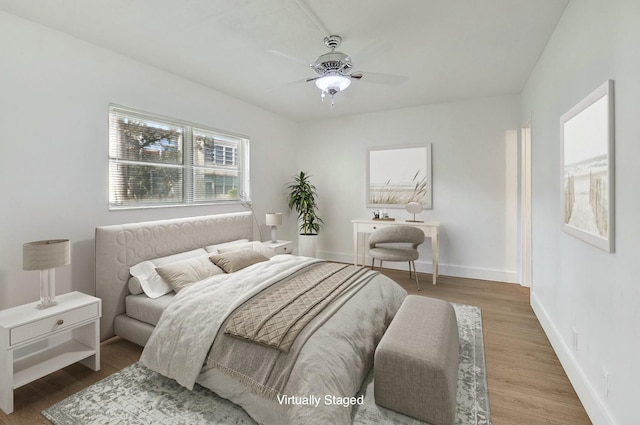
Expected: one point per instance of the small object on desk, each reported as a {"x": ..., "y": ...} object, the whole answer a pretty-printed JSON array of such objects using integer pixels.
[
  {"x": 414, "y": 208},
  {"x": 384, "y": 219}
]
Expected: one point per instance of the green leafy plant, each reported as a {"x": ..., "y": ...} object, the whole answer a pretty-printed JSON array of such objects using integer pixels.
[{"x": 302, "y": 198}]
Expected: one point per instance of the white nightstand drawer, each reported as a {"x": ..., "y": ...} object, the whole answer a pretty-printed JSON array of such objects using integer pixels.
[
  {"x": 52, "y": 323},
  {"x": 285, "y": 249},
  {"x": 278, "y": 247}
]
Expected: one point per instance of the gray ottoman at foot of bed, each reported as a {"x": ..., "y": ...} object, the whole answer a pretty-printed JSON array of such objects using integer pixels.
[{"x": 416, "y": 362}]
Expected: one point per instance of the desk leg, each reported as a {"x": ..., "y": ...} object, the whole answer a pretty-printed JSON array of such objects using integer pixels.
[
  {"x": 365, "y": 239},
  {"x": 435, "y": 256}
]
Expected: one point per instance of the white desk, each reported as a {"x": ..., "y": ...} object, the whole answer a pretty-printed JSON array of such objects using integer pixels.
[{"x": 365, "y": 226}]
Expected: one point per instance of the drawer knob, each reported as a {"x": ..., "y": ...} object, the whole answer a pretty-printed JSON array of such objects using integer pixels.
[{"x": 60, "y": 322}]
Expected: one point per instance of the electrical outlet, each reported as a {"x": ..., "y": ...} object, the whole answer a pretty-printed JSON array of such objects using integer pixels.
[{"x": 575, "y": 340}]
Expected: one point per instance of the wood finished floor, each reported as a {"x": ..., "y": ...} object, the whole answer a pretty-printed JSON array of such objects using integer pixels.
[{"x": 526, "y": 383}]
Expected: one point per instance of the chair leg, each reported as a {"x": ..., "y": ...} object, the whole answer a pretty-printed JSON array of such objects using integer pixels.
[
  {"x": 416, "y": 274},
  {"x": 373, "y": 263},
  {"x": 410, "y": 270}
]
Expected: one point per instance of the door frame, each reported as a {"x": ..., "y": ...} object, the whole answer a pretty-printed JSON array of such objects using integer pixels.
[{"x": 525, "y": 205}]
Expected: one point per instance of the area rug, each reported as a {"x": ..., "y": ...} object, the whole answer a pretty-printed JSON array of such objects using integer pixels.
[{"x": 138, "y": 396}]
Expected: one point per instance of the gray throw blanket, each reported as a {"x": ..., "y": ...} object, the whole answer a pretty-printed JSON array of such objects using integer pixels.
[{"x": 276, "y": 316}]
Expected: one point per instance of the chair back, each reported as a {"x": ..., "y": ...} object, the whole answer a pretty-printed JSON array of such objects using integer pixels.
[{"x": 397, "y": 234}]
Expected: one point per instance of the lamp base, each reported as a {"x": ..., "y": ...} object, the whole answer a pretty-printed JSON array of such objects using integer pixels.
[{"x": 47, "y": 289}]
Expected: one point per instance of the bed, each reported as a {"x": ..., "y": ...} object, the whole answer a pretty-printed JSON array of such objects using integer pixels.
[
  {"x": 120, "y": 247},
  {"x": 196, "y": 336}
]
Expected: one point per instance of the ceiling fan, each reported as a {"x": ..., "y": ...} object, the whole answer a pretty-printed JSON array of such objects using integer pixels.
[{"x": 335, "y": 69}]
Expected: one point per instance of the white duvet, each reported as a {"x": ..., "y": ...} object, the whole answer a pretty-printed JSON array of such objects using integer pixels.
[{"x": 330, "y": 367}]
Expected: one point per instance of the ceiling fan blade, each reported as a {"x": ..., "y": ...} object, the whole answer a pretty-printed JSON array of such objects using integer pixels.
[
  {"x": 376, "y": 48},
  {"x": 313, "y": 17},
  {"x": 289, "y": 57},
  {"x": 378, "y": 78},
  {"x": 285, "y": 85},
  {"x": 312, "y": 78}
]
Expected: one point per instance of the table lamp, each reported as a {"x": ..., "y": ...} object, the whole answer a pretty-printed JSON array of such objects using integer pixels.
[
  {"x": 274, "y": 220},
  {"x": 45, "y": 256}
]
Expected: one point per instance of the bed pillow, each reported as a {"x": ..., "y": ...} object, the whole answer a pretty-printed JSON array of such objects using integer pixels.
[
  {"x": 255, "y": 245},
  {"x": 151, "y": 282},
  {"x": 214, "y": 248},
  {"x": 181, "y": 274},
  {"x": 237, "y": 260},
  {"x": 135, "y": 288}
]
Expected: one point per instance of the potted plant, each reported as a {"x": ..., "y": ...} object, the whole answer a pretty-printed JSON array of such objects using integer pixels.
[{"x": 302, "y": 198}]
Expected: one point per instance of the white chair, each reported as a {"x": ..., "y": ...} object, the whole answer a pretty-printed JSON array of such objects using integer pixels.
[{"x": 396, "y": 243}]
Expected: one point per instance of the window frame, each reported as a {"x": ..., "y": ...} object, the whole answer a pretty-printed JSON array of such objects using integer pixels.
[{"x": 188, "y": 166}]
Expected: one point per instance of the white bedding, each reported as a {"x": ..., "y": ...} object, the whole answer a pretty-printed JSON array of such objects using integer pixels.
[{"x": 332, "y": 363}]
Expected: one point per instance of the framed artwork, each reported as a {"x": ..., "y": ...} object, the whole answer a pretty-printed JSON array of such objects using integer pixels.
[
  {"x": 398, "y": 175},
  {"x": 587, "y": 139}
]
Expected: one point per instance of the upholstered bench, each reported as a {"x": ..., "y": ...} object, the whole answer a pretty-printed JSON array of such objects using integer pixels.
[{"x": 416, "y": 362}]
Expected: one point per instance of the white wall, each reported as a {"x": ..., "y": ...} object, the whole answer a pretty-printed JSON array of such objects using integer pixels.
[
  {"x": 576, "y": 285},
  {"x": 469, "y": 187},
  {"x": 54, "y": 96}
]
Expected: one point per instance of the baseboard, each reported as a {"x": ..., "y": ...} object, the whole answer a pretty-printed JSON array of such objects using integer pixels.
[
  {"x": 426, "y": 267},
  {"x": 588, "y": 395}
]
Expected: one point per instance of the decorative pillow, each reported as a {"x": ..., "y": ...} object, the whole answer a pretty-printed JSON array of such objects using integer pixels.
[
  {"x": 151, "y": 282},
  {"x": 237, "y": 260},
  {"x": 213, "y": 249},
  {"x": 183, "y": 273}
]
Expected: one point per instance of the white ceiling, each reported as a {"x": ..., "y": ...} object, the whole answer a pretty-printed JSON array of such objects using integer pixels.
[{"x": 448, "y": 49}]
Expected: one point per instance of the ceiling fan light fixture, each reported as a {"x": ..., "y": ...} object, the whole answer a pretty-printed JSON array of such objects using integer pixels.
[{"x": 333, "y": 83}]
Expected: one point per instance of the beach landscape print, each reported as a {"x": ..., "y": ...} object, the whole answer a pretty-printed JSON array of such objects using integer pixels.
[
  {"x": 399, "y": 175},
  {"x": 587, "y": 174}
]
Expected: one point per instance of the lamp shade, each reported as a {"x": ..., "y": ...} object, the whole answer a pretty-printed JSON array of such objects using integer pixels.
[
  {"x": 273, "y": 219},
  {"x": 43, "y": 255}
]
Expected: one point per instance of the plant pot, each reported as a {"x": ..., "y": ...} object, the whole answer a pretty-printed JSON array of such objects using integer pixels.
[{"x": 307, "y": 245}]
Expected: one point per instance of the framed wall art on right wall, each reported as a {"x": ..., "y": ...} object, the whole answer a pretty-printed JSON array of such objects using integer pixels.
[{"x": 587, "y": 153}]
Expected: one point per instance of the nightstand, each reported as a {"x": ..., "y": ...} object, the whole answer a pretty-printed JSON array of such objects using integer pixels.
[
  {"x": 35, "y": 343},
  {"x": 279, "y": 247}
]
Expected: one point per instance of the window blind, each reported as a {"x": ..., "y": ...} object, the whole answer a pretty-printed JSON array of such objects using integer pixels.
[{"x": 159, "y": 161}]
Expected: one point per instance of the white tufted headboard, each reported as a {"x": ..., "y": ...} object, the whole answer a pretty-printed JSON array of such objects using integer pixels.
[{"x": 118, "y": 247}]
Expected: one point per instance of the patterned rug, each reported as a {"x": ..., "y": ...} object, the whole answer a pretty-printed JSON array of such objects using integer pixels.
[{"x": 137, "y": 396}]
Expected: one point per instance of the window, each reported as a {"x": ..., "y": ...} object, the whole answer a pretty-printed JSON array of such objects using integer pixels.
[{"x": 156, "y": 161}]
